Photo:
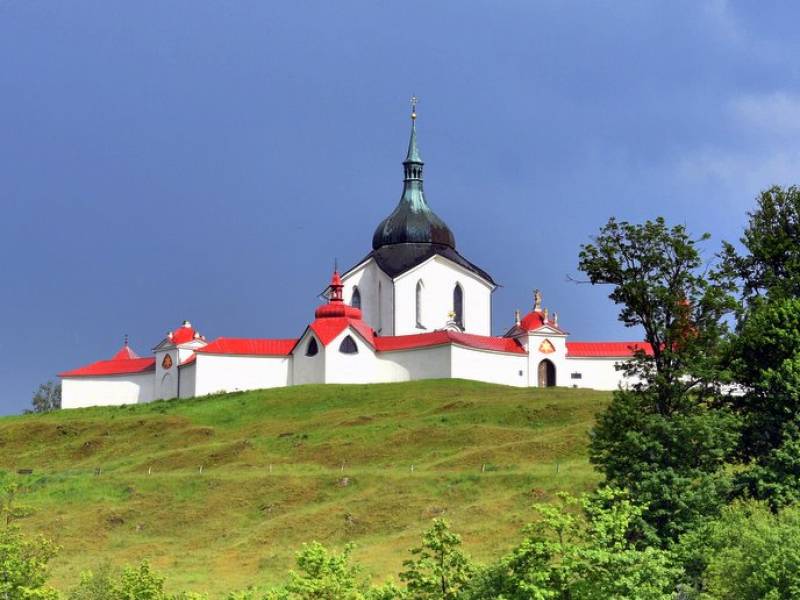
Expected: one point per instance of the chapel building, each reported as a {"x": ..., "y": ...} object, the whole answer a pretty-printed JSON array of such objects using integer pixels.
[{"x": 413, "y": 308}]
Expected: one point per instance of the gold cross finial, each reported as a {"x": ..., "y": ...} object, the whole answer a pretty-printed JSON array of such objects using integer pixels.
[{"x": 414, "y": 101}]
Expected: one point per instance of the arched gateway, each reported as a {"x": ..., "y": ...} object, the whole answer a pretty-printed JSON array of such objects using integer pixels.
[{"x": 547, "y": 373}]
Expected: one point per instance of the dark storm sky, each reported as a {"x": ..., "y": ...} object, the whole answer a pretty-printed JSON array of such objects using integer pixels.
[{"x": 162, "y": 161}]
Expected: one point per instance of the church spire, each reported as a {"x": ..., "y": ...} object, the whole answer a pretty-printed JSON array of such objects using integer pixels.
[
  {"x": 412, "y": 168},
  {"x": 412, "y": 222},
  {"x": 412, "y": 156}
]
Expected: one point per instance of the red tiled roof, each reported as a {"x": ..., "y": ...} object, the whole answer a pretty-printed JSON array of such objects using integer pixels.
[
  {"x": 605, "y": 349},
  {"x": 251, "y": 346},
  {"x": 125, "y": 353},
  {"x": 113, "y": 367},
  {"x": 327, "y": 328},
  {"x": 438, "y": 338}
]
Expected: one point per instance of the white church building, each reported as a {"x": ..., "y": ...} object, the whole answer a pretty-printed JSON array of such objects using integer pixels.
[{"x": 413, "y": 308}]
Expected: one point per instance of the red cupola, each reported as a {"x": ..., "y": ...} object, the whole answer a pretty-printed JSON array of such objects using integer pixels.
[{"x": 336, "y": 308}]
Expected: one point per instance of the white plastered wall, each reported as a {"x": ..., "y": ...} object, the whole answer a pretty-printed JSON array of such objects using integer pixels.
[
  {"x": 308, "y": 369},
  {"x": 111, "y": 390},
  {"x": 350, "y": 368},
  {"x": 166, "y": 380},
  {"x": 410, "y": 365},
  {"x": 596, "y": 373},
  {"x": 491, "y": 367},
  {"x": 376, "y": 289},
  {"x": 439, "y": 277},
  {"x": 187, "y": 375},
  {"x": 558, "y": 357},
  {"x": 231, "y": 373}
]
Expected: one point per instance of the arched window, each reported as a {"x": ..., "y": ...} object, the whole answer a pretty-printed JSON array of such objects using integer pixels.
[
  {"x": 458, "y": 305},
  {"x": 380, "y": 307},
  {"x": 312, "y": 348},
  {"x": 348, "y": 346},
  {"x": 420, "y": 287},
  {"x": 355, "y": 300}
]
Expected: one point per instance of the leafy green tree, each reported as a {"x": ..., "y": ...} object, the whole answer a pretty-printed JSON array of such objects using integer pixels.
[
  {"x": 47, "y": 398},
  {"x": 765, "y": 361},
  {"x": 95, "y": 585},
  {"x": 581, "y": 556},
  {"x": 771, "y": 264},
  {"x": 23, "y": 566},
  {"x": 674, "y": 465},
  {"x": 10, "y": 509},
  {"x": 439, "y": 569},
  {"x": 665, "y": 439},
  {"x": 749, "y": 553},
  {"x": 658, "y": 279},
  {"x": 323, "y": 575},
  {"x": 775, "y": 476},
  {"x": 139, "y": 583}
]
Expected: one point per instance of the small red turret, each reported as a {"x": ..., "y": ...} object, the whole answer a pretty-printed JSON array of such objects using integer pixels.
[{"x": 336, "y": 306}]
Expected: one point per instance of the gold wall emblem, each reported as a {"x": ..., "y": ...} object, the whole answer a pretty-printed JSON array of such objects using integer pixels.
[
  {"x": 546, "y": 347},
  {"x": 166, "y": 364}
]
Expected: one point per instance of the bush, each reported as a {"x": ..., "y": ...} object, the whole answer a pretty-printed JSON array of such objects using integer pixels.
[{"x": 749, "y": 553}]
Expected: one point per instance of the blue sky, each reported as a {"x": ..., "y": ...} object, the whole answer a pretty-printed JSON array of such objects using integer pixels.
[{"x": 162, "y": 161}]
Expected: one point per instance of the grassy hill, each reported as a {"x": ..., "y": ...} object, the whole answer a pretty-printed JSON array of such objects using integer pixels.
[{"x": 286, "y": 466}]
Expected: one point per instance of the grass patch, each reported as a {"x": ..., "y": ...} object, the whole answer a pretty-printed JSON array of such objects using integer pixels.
[{"x": 371, "y": 464}]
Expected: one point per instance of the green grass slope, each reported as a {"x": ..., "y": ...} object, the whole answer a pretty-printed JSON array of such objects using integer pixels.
[{"x": 371, "y": 464}]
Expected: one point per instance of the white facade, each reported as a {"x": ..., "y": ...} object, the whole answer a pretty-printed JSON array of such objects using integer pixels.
[
  {"x": 537, "y": 359},
  {"x": 111, "y": 390},
  {"x": 233, "y": 373},
  {"x": 376, "y": 289},
  {"x": 413, "y": 309},
  {"x": 421, "y": 299},
  {"x": 412, "y": 365}
]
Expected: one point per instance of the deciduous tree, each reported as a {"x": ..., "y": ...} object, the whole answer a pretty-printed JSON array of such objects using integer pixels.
[
  {"x": 47, "y": 397},
  {"x": 664, "y": 438},
  {"x": 439, "y": 569}
]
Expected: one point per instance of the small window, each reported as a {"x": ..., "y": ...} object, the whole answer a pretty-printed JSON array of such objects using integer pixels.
[
  {"x": 458, "y": 305},
  {"x": 420, "y": 287},
  {"x": 576, "y": 375},
  {"x": 355, "y": 300},
  {"x": 348, "y": 346},
  {"x": 312, "y": 348}
]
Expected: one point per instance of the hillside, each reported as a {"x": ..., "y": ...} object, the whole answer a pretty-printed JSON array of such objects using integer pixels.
[{"x": 280, "y": 467}]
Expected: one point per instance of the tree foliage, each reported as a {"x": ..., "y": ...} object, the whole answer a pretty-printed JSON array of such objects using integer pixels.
[
  {"x": 770, "y": 265},
  {"x": 749, "y": 553},
  {"x": 323, "y": 575},
  {"x": 134, "y": 583},
  {"x": 583, "y": 556},
  {"x": 439, "y": 569},
  {"x": 656, "y": 277},
  {"x": 47, "y": 397},
  {"x": 664, "y": 438},
  {"x": 765, "y": 355},
  {"x": 765, "y": 361},
  {"x": 23, "y": 566},
  {"x": 675, "y": 466}
]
